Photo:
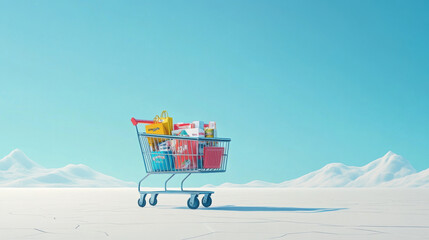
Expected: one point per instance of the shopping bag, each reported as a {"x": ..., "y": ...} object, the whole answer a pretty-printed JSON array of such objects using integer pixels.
[
  {"x": 155, "y": 128},
  {"x": 166, "y": 121}
]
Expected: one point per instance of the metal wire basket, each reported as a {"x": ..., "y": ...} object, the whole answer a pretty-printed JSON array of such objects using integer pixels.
[{"x": 174, "y": 154}]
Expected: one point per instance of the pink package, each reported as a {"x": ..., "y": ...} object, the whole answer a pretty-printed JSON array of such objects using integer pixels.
[
  {"x": 212, "y": 157},
  {"x": 179, "y": 126}
]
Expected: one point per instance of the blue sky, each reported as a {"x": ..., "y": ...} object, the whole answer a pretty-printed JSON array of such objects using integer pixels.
[{"x": 295, "y": 84}]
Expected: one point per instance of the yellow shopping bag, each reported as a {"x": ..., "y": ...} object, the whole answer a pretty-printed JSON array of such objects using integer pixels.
[
  {"x": 166, "y": 121},
  {"x": 155, "y": 128}
]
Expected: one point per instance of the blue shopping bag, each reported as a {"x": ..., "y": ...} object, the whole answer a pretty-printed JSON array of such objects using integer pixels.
[{"x": 162, "y": 161}]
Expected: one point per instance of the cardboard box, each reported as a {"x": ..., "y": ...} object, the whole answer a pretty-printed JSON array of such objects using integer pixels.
[
  {"x": 162, "y": 161},
  {"x": 191, "y": 132},
  {"x": 179, "y": 126},
  {"x": 198, "y": 124},
  {"x": 189, "y": 155},
  {"x": 166, "y": 146}
]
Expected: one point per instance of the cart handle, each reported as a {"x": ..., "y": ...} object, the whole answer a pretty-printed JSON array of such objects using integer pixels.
[{"x": 137, "y": 121}]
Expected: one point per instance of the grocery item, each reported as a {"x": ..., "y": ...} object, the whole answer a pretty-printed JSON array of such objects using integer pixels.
[
  {"x": 209, "y": 132},
  {"x": 162, "y": 161},
  {"x": 212, "y": 157},
  {"x": 212, "y": 125},
  {"x": 198, "y": 124},
  {"x": 179, "y": 126},
  {"x": 188, "y": 155},
  {"x": 191, "y": 132},
  {"x": 166, "y": 145}
]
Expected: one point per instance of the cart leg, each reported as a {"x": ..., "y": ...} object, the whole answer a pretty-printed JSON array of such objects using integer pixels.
[
  {"x": 193, "y": 198},
  {"x": 153, "y": 199},
  {"x": 142, "y": 181},
  {"x": 166, "y": 181},
  {"x": 181, "y": 185},
  {"x": 143, "y": 196}
]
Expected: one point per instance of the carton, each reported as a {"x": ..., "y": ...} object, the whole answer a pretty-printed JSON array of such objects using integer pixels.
[
  {"x": 162, "y": 161},
  {"x": 179, "y": 126},
  {"x": 189, "y": 154},
  {"x": 166, "y": 146},
  {"x": 191, "y": 132},
  {"x": 198, "y": 124}
]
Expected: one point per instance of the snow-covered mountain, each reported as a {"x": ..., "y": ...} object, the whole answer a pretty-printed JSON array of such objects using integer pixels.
[
  {"x": 17, "y": 170},
  {"x": 391, "y": 170}
]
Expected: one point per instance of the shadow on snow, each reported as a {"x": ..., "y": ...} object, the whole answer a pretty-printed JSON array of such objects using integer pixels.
[{"x": 266, "y": 209}]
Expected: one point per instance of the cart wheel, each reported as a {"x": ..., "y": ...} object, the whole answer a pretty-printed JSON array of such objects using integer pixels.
[
  {"x": 206, "y": 201},
  {"x": 154, "y": 201},
  {"x": 195, "y": 205},
  {"x": 141, "y": 202}
]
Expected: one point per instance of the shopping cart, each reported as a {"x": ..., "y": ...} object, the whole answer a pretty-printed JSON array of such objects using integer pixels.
[{"x": 166, "y": 154}]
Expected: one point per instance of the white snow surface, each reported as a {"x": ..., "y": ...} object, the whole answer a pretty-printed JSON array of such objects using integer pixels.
[
  {"x": 17, "y": 170},
  {"x": 239, "y": 213},
  {"x": 391, "y": 170}
]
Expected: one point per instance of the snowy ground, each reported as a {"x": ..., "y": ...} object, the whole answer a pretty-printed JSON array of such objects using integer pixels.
[{"x": 235, "y": 214}]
